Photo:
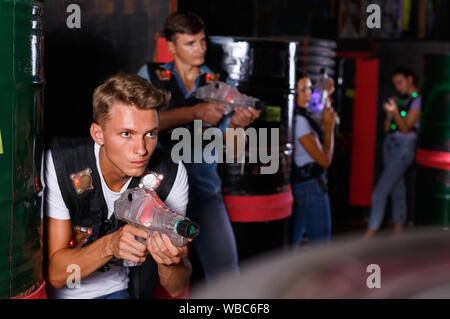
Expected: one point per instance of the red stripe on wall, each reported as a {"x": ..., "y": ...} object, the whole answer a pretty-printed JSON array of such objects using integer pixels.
[
  {"x": 252, "y": 209},
  {"x": 364, "y": 132},
  {"x": 433, "y": 159}
]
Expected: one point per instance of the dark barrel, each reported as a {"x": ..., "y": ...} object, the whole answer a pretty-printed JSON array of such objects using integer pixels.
[
  {"x": 312, "y": 55},
  {"x": 21, "y": 82},
  {"x": 259, "y": 204},
  {"x": 433, "y": 154}
]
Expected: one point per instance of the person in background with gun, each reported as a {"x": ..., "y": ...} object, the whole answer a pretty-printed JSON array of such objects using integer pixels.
[
  {"x": 84, "y": 177},
  {"x": 313, "y": 153},
  {"x": 401, "y": 126},
  {"x": 186, "y": 41}
]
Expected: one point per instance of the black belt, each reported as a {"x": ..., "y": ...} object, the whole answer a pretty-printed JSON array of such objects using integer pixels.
[{"x": 309, "y": 172}]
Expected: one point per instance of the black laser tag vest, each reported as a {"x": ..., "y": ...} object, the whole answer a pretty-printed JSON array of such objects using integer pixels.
[
  {"x": 72, "y": 158},
  {"x": 163, "y": 79},
  {"x": 403, "y": 108}
]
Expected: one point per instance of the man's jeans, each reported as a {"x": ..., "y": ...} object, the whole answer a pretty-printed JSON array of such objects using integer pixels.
[
  {"x": 398, "y": 154},
  {"x": 215, "y": 245},
  {"x": 311, "y": 213},
  {"x": 121, "y": 294}
]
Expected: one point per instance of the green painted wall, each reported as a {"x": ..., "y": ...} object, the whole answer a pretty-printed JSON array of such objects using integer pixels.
[
  {"x": 21, "y": 82},
  {"x": 433, "y": 185}
]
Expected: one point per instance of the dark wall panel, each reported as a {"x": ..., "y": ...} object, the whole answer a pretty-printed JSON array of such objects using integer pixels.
[
  {"x": 265, "y": 17},
  {"x": 115, "y": 35}
]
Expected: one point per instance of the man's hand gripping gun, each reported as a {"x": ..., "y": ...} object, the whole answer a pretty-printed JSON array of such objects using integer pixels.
[
  {"x": 142, "y": 208},
  {"x": 222, "y": 93}
]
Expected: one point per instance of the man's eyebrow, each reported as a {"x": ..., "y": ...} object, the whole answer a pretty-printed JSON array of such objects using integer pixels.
[
  {"x": 125, "y": 129},
  {"x": 133, "y": 131}
]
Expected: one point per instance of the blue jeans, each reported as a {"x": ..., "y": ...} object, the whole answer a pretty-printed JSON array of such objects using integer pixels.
[
  {"x": 311, "y": 213},
  {"x": 215, "y": 245},
  {"x": 398, "y": 155},
  {"x": 121, "y": 294}
]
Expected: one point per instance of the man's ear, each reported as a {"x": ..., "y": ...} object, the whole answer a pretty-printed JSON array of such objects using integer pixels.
[
  {"x": 171, "y": 47},
  {"x": 97, "y": 134}
]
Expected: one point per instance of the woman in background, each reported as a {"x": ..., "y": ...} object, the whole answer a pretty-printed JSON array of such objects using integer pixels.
[
  {"x": 399, "y": 147},
  {"x": 313, "y": 154}
]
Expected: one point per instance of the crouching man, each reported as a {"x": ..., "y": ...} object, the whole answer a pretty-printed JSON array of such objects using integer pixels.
[{"x": 85, "y": 247}]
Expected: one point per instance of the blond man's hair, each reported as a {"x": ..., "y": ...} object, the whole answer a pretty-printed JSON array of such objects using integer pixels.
[{"x": 129, "y": 89}]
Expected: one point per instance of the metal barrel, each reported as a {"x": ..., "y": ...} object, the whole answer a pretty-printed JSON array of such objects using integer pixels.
[
  {"x": 257, "y": 202},
  {"x": 433, "y": 154},
  {"x": 265, "y": 68},
  {"x": 21, "y": 118}
]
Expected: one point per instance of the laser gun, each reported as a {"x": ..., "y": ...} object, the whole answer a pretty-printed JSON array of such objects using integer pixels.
[
  {"x": 142, "y": 208},
  {"x": 222, "y": 93}
]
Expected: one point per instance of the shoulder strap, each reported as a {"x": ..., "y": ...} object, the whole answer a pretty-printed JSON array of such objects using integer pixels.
[
  {"x": 71, "y": 156},
  {"x": 411, "y": 101},
  {"x": 63, "y": 149},
  {"x": 152, "y": 69},
  {"x": 314, "y": 125},
  {"x": 171, "y": 85}
]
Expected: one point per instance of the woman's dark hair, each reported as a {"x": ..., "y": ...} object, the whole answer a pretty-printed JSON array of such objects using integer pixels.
[
  {"x": 184, "y": 23},
  {"x": 300, "y": 74},
  {"x": 406, "y": 72}
]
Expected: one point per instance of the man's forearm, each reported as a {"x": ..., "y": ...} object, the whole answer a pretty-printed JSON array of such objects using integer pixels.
[
  {"x": 176, "y": 117},
  {"x": 174, "y": 278},
  {"x": 88, "y": 259}
]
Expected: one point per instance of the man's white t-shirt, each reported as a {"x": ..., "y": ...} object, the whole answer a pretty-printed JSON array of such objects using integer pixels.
[{"x": 116, "y": 279}]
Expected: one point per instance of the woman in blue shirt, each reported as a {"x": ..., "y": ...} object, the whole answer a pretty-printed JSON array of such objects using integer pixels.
[{"x": 313, "y": 153}]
